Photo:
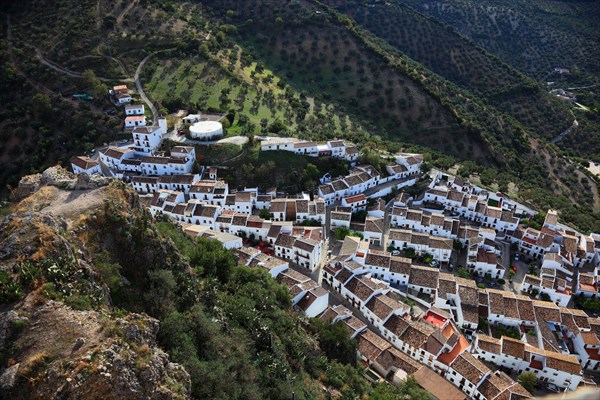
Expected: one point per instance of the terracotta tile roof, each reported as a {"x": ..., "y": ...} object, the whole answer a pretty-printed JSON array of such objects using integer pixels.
[
  {"x": 335, "y": 311},
  {"x": 361, "y": 287},
  {"x": 513, "y": 347},
  {"x": 446, "y": 286},
  {"x": 341, "y": 216},
  {"x": 470, "y": 368},
  {"x": 373, "y": 224},
  {"x": 563, "y": 362},
  {"x": 581, "y": 319},
  {"x": 285, "y": 240},
  {"x": 400, "y": 234},
  {"x": 396, "y": 325},
  {"x": 419, "y": 238},
  {"x": 383, "y": 305},
  {"x": 532, "y": 280},
  {"x": 510, "y": 305},
  {"x": 423, "y": 276},
  {"x": 393, "y": 358},
  {"x": 84, "y": 162},
  {"x": 239, "y": 220},
  {"x": 417, "y": 334},
  {"x": 490, "y": 344},
  {"x": 354, "y": 324},
  {"x": 306, "y": 244},
  {"x": 311, "y": 296},
  {"x": 525, "y": 308},
  {"x": 370, "y": 345},
  {"x": 440, "y": 243},
  {"x": 339, "y": 185},
  {"x": 400, "y": 265},
  {"x": 326, "y": 189},
  {"x": 493, "y": 385},
  {"x": 468, "y": 295},
  {"x": 546, "y": 311},
  {"x": 344, "y": 275},
  {"x": 379, "y": 260}
]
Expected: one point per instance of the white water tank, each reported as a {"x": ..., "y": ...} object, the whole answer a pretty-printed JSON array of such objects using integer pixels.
[{"x": 206, "y": 130}]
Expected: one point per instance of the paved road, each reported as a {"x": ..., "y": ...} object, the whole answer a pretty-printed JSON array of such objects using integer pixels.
[
  {"x": 140, "y": 89},
  {"x": 565, "y": 132},
  {"x": 239, "y": 140}
]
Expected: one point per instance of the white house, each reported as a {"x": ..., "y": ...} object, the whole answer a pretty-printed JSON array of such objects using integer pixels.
[
  {"x": 340, "y": 218},
  {"x": 146, "y": 139},
  {"x": 487, "y": 264},
  {"x": 114, "y": 156},
  {"x": 123, "y": 98},
  {"x": 85, "y": 164},
  {"x": 314, "y": 302},
  {"x": 135, "y": 120},
  {"x": 356, "y": 203},
  {"x": 273, "y": 265},
  {"x": 134, "y": 109},
  {"x": 559, "y": 369},
  {"x": 211, "y": 192}
]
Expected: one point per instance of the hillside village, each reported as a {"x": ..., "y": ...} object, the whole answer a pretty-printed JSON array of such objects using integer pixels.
[{"x": 452, "y": 285}]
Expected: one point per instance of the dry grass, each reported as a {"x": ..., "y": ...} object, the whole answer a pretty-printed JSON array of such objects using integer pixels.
[{"x": 31, "y": 365}]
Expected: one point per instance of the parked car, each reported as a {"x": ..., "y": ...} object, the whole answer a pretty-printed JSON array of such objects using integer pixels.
[
  {"x": 181, "y": 132},
  {"x": 395, "y": 252},
  {"x": 514, "y": 268},
  {"x": 434, "y": 264},
  {"x": 516, "y": 256},
  {"x": 552, "y": 387},
  {"x": 450, "y": 267}
]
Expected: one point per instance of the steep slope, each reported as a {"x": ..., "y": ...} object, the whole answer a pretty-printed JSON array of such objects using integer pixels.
[
  {"x": 58, "y": 337},
  {"x": 460, "y": 61},
  {"x": 95, "y": 293},
  {"x": 534, "y": 36}
]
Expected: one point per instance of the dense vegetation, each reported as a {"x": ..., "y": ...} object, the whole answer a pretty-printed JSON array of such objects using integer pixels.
[
  {"x": 220, "y": 320},
  {"x": 534, "y": 36},
  {"x": 446, "y": 53}
]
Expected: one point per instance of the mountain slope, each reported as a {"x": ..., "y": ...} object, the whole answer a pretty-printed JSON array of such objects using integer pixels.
[
  {"x": 534, "y": 36},
  {"x": 446, "y": 53},
  {"x": 100, "y": 300}
]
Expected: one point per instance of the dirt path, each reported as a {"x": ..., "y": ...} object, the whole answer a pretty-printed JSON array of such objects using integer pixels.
[
  {"x": 123, "y": 13},
  {"x": 140, "y": 89}
]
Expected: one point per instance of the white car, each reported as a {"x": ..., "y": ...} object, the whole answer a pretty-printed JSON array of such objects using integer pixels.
[
  {"x": 395, "y": 252},
  {"x": 434, "y": 264}
]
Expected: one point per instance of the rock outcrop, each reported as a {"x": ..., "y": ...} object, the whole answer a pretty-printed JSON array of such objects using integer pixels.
[
  {"x": 49, "y": 349},
  {"x": 59, "y": 177}
]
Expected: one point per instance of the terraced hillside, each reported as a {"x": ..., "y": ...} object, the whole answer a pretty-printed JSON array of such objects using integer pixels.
[
  {"x": 314, "y": 54},
  {"x": 446, "y": 53},
  {"x": 533, "y": 35}
]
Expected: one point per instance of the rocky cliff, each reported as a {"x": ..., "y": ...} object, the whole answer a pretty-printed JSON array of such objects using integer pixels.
[{"x": 59, "y": 335}]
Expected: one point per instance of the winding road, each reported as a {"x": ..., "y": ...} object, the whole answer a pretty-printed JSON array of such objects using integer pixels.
[
  {"x": 565, "y": 132},
  {"x": 140, "y": 89}
]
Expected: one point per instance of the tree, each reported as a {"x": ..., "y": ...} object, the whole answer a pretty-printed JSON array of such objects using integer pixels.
[
  {"x": 334, "y": 341},
  {"x": 410, "y": 253},
  {"x": 545, "y": 296},
  {"x": 457, "y": 245},
  {"x": 98, "y": 88},
  {"x": 463, "y": 272},
  {"x": 341, "y": 232},
  {"x": 264, "y": 214},
  {"x": 528, "y": 380}
]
